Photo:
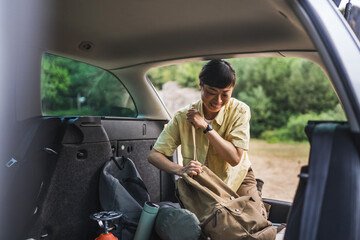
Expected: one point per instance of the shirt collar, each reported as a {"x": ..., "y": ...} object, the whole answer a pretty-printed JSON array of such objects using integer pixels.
[{"x": 219, "y": 117}]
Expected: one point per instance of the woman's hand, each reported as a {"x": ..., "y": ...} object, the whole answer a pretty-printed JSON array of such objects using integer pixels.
[
  {"x": 191, "y": 169},
  {"x": 160, "y": 161},
  {"x": 194, "y": 117}
]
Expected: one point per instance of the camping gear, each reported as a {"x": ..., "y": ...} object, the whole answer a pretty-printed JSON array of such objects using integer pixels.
[
  {"x": 222, "y": 213},
  {"x": 147, "y": 221},
  {"x": 175, "y": 223},
  {"x": 103, "y": 219},
  {"x": 122, "y": 189}
]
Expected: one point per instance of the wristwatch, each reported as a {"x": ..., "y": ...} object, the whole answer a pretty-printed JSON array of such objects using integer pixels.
[{"x": 209, "y": 128}]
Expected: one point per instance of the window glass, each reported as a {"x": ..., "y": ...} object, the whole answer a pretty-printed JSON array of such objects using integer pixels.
[
  {"x": 72, "y": 88},
  {"x": 282, "y": 93},
  {"x": 353, "y": 17}
]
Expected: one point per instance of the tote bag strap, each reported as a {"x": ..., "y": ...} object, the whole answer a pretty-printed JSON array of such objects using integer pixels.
[{"x": 193, "y": 135}]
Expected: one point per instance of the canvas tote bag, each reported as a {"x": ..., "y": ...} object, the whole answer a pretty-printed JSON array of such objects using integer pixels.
[{"x": 222, "y": 213}]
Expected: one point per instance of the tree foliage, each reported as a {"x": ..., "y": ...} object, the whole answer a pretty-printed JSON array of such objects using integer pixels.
[
  {"x": 291, "y": 87},
  {"x": 56, "y": 83},
  {"x": 69, "y": 87},
  {"x": 294, "y": 129},
  {"x": 276, "y": 89},
  {"x": 283, "y": 93},
  {"x": 186, "y": 75}
]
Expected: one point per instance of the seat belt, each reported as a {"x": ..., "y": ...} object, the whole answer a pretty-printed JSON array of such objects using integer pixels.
[{"x": 320, "y": 157}]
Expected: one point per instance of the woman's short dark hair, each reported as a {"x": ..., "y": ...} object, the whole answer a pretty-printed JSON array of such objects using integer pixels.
[{"x": 217, "y": 73}]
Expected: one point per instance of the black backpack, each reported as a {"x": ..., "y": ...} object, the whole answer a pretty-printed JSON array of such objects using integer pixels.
[{"x": 122, "y": 189}]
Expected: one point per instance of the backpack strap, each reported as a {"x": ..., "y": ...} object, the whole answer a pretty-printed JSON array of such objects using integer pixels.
[
  {"x": 193, "y": 135},
  {"x": 132, "y": 179},
  {"x": 320, "y": 157}
]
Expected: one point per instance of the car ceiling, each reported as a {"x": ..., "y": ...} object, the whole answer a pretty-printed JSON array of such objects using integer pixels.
[{"x": 128, "y": 33}]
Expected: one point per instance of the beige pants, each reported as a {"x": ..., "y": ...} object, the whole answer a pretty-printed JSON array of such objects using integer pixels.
[{"x": 248, "y": 188}]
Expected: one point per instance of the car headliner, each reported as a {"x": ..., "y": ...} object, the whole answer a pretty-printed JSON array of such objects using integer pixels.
[
  {"x": 127, "y": 33},
  {"x": 129, "y": 37}
]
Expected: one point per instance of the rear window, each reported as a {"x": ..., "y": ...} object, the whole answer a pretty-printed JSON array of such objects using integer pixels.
[
  {"x": 72, "y": 88},
  {"x": 282, "y": 93}
]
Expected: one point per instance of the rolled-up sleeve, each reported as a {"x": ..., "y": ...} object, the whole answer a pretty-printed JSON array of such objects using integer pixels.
[
  {"x": 239, "y": 134},
  {"x": 169, "y": 138}
]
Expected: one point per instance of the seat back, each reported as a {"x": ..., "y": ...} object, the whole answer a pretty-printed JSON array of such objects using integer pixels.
[
  {"x": 73, "y": 193},
  {"x": 341, "y": 200},
  {"x": 28, "y": 171}
]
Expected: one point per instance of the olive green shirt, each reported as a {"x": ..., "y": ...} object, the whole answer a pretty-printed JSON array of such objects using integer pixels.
[{"x": 231, "y": 123}]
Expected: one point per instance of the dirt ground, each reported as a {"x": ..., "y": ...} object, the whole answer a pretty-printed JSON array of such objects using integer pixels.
[{"x": 278, "y": 165}]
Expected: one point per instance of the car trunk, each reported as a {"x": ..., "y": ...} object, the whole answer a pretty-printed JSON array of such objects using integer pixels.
[{"x": 66, "y": 156}]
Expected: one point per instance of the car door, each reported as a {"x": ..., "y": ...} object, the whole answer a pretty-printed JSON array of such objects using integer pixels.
[{"x": 327, "y": 199}]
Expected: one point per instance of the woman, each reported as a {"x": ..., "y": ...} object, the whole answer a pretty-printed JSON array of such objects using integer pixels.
[{"x": 222, "y": 134}]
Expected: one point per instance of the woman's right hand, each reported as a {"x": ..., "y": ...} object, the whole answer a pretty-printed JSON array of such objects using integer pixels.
[{"x": 192, "y": 168}]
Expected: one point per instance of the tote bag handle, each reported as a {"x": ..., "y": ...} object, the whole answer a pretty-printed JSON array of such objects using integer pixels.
[{"x": 193, "y": 135}]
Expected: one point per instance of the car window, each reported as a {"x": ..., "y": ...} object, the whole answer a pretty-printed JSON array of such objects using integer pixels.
[
  {"x": 353, "y": 17},
  {"x": 72, "y": 88},
  {"x": 283, "y": 95}
]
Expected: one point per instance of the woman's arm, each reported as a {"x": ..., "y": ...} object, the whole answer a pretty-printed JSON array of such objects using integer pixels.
[
  {"x": 224, "y": 148},
  {"x": 160, "y": 161}
]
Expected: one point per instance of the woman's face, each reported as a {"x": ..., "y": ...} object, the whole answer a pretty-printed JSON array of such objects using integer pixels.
[{"x": 214, "y": 98}]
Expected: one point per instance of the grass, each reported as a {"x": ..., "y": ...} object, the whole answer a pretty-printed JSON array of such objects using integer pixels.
[{"x": 282, "y": 150}]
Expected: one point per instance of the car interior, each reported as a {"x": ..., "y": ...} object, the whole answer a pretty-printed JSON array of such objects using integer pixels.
[{"x": 53, "y": 162}]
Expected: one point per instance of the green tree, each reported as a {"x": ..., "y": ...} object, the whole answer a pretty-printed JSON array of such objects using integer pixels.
[
  {"x": 187, "y": 75},
  {"x": 274, "y": 88},
  {"x": 159, "y": 76},
  {"x": 292, "y": 86},
  {"x": 308, "y": 88},
  {"x": 55, "y": 84},
  {"x": 260, "y": 106},
  {"x": 70, "y": 87}
]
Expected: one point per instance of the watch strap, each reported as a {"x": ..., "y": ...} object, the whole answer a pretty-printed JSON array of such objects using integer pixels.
[{"x": 209, "y": 128}]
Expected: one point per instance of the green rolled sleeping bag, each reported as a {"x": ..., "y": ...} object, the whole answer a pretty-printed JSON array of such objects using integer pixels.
[{"x": 177, "y": 224}]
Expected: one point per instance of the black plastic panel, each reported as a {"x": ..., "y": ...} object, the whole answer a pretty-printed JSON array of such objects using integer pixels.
[
  {"x": 133, "y": 129},
  {"x": 84, "y": 130},
  {"x": 279, "y": 210}
]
